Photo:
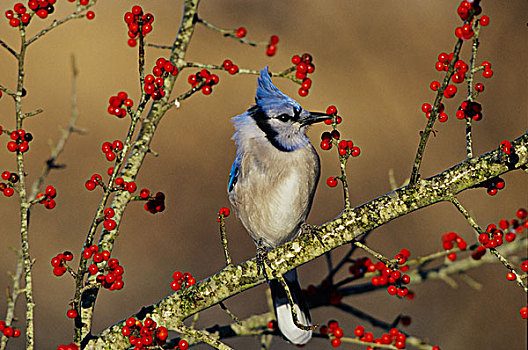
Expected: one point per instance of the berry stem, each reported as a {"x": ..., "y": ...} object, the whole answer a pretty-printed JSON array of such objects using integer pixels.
[
  {"x": 12, "y": 295},
  {"x": 9, "y": 49},
  {"x": 223, "y": 239},
  {"x": 284, "y": 74},
  {"x": 78, "y": 13},
  {"x": 430, "y": 122},
  {"x": 343, "y": 178},
  {"x": 229, "y": 33}
]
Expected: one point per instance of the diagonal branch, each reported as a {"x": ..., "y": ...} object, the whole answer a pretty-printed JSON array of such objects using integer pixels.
[{"x": 232, "y": 280}]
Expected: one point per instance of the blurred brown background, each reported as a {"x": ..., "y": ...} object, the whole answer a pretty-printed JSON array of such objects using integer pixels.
[{"x": 374, "y": 60}]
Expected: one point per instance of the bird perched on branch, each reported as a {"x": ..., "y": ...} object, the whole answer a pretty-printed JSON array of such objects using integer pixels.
[{"x": 272, "y": 184}]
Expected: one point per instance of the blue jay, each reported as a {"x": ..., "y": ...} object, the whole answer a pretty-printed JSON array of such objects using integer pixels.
[{"x": 272, "y": 184}]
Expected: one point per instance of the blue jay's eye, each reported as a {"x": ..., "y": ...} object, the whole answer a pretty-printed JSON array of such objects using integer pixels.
[{"x": 284, "y": 117}]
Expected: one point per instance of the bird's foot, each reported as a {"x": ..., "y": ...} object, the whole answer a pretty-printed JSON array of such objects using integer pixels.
[
  {"x": 309, "y": 229},
  {"x": 262, "y": 259}
]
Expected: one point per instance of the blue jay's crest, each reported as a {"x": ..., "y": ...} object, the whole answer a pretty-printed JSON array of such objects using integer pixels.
[{"x": 269, "y": 97}]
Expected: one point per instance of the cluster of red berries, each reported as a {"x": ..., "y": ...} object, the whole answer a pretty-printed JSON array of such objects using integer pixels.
[
  {"x": 47, "y": 197},
  {"x": 334, "y": 332},
  {"x": 7, "y": 188},
  {"x": 394, "y": 278},
  {"x": 113, "y": 279},
  {"x": 58, "y": 262},
  {"x": 332, "y": 111},
  {"x": 8, "y": 331},
  {"x": 469, "y": 109},
  {"x": 427, "y": 109},
  {"x": 494, "y": 237},
  {"x": 144, "y": 334},
  {"x": 110, "y": 149},
  {"x": 223, "y": 213},
  {"x": 271, "y": 49},
  {"x": 494, "y": 185},
  {"x": 394, "y": 337},
  {"x": 303, "y": 67},
  {"x": 346, "y": 148},
  {"x": 95, "y": 180},
  {"x": 487, "y": 72},
  {"x": 448, "y": 242},
  {"x": 155, "y": 204},
  {"x": 182, "y": 280},
  {"x": 129, "y": 186},
  {"x": 71, "y": 346},
  {"x": 136, "y": 22},
  {"x": 20, "y": 15},
  {"x": 464, "y": 8},
  {"x": 154, "y": 82},
  {"x": 230, "y": 67},
  {"x": 117, "y": 102},
  {"x": 90, "y": 14},
  {"x": 205, "y": 76},
  {"x": 109, "y": 223},
  {"x": 20, "y": 141}
]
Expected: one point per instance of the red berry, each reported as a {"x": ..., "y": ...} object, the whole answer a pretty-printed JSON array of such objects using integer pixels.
[
  {"x": 110, "y": 156},
  {"x": 227, "y": 64},
  {"x": 90, "y": 15},
  {"x": 479, "y": 87},
  {"x": 434, "y": 85},
  {"x": 109, "y": 224},
  {"x": 224, "y": 211},
  {"x": 510, "y": 276},
  {"x": 206, "y": 90},
  {"x": 183, "y": 345},
  {"x": 274, "y": 40},
  {"x": 484, "y": 20},
  {"x": 12, "y": 146},
  {"x": 8, "y": 192},
  {"x": 488, "y": 73},
  {"x": 426, "y": 107},
  {"x": 71, "y": 313},
  {"x": 331, "y": 181},
  {"x": 336, "y": 342},
  {"x": 522, "y": 213},
  {"x": 442, "y": 117},
  {"x": 355, "y": 151},
  {"x": 137, "y": 10},
  {"x": 303, "y": 92},
  {"x": 233, "y": 70},
  {"x": 359, "y": 331},
  {"x": 326, "y": 145},
  {"x": 296, "y": 59},
  {"x": 241, "y": 32},
  {"x": 271, "y": 50}
]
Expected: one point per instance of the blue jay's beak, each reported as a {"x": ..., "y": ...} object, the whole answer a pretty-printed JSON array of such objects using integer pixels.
[{"x": 315, "y": 117}]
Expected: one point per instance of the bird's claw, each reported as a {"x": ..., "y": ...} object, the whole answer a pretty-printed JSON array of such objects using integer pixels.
[
  {"x": 262, "y": 260},
  {"x": 309, "y": 229}
]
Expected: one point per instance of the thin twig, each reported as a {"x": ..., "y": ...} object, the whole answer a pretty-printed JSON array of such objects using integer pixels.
[
  {"x": 8, "y": 48},
  {"x": 292, "y": 308},
  {"x": 59, "y": 147},
  {"x": 12, "y": 296}
]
